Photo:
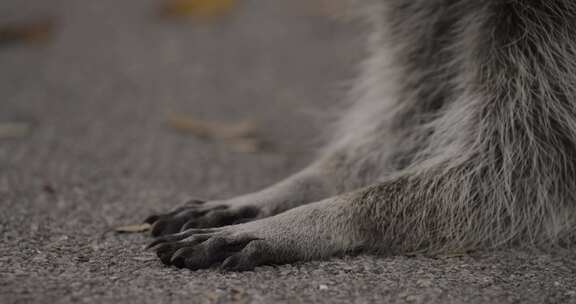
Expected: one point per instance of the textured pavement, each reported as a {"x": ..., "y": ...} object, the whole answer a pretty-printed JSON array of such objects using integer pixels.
[{"x": 100, "y": 155}]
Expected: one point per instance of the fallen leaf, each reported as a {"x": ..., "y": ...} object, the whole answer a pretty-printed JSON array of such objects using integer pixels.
[
  {"x": 195, "y": 8},
  {"x": 33, "y": 32},
  {"x": 240, "y": 136},
  {"x": 13, "y": 130},
  {"x": 133, "y": 228},
  {"x": 211, "y": 129},
  {"x": 246, "y": 145}
]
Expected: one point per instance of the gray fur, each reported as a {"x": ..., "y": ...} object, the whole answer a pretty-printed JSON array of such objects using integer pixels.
[{"x": 461, "y": 136}]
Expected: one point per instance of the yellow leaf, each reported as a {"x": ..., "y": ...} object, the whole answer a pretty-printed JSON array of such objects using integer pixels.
[
  {"x": 133, "y": 228},
  {"x": 240, "y": 136},
  {"x": 212, "y": 129}
]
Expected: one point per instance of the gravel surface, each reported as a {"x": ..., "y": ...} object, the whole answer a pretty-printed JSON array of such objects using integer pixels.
[{"x": 100, "y": 155}]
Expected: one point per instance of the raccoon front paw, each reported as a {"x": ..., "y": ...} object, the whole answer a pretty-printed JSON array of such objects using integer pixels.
[
  {"x": 236, "y": 248},
  {"x": 199, "y": 214},
  {"x": 201, "y": 248}
]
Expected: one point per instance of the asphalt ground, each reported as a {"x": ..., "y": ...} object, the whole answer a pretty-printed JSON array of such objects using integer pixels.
[{"x": 98, "y": 154}]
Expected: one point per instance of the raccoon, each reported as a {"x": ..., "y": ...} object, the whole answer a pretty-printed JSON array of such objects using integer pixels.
[{"x": 460, "y": 135}]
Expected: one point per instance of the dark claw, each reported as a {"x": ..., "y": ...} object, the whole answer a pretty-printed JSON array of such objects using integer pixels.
[
  {"x": 166, "y": 239},
  {"x": 199, "y": 259},
  {"x": 231, "y": 262},
  {"x": 165, "y": 253},
  {"x": 238, "y": 262},
  {"x": 252, "y": 255},
  {"x": 179, "y": 257}
]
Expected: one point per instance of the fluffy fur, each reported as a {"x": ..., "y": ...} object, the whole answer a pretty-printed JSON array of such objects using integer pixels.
[{"x": 461, "y": 136}]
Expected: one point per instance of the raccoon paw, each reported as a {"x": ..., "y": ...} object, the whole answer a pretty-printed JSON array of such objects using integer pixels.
[{"x": 199, "y": 214}]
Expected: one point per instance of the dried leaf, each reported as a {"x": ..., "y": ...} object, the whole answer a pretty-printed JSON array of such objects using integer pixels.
[
  {"x": 133, "y": 228},
  {"x": 210, "y": 129},
  {"x": 240, "y": 136},
  {"x": 33, "y": 32},
  {"x": 13, "y": 130},
  {"x": 196, "y": 8},
  {"x": 246, "y": 145}
]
